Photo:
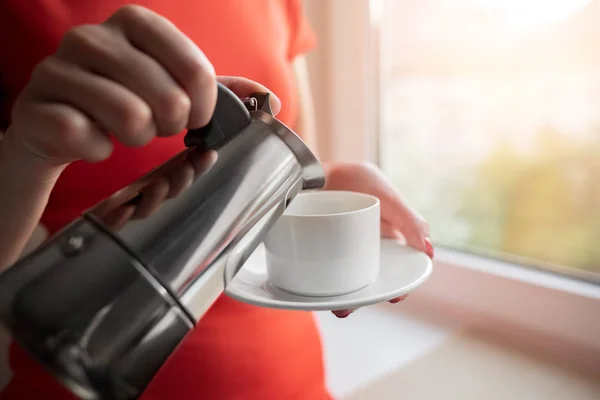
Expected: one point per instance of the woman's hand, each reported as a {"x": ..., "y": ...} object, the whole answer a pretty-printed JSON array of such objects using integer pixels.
[
  {"x": 135, "y": 76},
  {"x": 398, "y": 219}
]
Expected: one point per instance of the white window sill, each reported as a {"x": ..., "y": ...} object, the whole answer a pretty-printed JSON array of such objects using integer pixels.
[
  {"x": 372, "y": 343},
  {"x": 533, "y": 310},
  {"x": 519, "y": 273},
  {"x": 550, "y": 314}
]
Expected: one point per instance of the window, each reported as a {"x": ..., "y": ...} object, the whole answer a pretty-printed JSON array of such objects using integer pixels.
[
  {"x": 437, "y": 146},
  {"x": 490, "y": 124}
]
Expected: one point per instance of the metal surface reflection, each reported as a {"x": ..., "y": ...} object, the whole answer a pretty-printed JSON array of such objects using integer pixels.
[{"x": 104, "y": 303}]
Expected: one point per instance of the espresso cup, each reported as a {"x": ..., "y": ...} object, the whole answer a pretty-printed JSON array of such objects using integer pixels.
[{"x": 326, "y": 243}]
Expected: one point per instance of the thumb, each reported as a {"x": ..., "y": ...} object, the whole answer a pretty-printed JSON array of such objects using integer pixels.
[
  {"x": 244, "y": 87},
  {"x": 401, "y": 216}
]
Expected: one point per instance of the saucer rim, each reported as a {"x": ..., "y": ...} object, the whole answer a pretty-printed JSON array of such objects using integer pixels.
[{"x": 328, "y": 303}]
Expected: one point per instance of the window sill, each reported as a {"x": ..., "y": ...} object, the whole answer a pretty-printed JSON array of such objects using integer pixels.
[
  {"x": 519, "y": 273},
  {"x": 373, "y": 343},
  {"x": 469, "y": 366},
  {"x": 540, "y": 311}
]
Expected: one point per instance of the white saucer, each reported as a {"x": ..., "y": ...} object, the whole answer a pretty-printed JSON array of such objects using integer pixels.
[{"x": 402, "y": 270}]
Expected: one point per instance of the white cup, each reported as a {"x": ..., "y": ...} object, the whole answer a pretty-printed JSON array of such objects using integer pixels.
[{"x": 326, "y": 243}]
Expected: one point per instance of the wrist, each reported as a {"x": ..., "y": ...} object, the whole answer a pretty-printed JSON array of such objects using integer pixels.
[
  {"x": 335, "y": 172},
  {"x": 327, "y": 168},
  {"x": 330, "y": 166},
  {"x": 18, "y": 160}
]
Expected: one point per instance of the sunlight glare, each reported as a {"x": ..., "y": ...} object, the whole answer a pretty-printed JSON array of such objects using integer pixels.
[
  {"x": 531, "y": 14},
  {"x": 376, "y": 11}
]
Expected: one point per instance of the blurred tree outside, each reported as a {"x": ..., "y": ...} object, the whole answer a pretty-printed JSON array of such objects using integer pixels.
[
  {"x": 490, "y": 124},
  {"x": 543, "y": 206}
]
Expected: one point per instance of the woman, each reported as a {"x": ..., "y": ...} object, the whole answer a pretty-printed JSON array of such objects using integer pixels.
[{"x": 144, "y": 74}]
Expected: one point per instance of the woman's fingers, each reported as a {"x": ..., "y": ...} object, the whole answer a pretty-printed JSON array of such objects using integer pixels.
[
  {"x": 118, "y": 217},
  {"x": 201, "y": 161},
  {"x": 398, "y": 299},
  {"x": 388, "y": 231},
  {"x": 401, "y": 221},
  {"x": 181, "y": 178},
  {"x": 161, "y": 40},
  {"x": 112, "y": 106},
  {"x": 68, "y": 132},
  {"x": 152, "y": 197},
  {"x": 342, "y": 313},
  {"x": 109, "y": 54},
  {"x": 404, "y": 219},
  {"x": 346, "y": 313},
  {"x": 135, "y": 76},
  {"x": 245, "y": 87},
  {"x": 395, "y": 211}
]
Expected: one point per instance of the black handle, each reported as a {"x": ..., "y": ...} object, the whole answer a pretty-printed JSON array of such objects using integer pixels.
[{"x": 230, "y": 117}]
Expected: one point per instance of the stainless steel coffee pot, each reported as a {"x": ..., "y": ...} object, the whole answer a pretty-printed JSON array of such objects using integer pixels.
[{"x": 104, "y": 303}]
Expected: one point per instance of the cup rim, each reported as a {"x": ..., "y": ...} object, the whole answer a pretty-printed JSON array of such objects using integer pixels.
[{"x": 323, "y": 192}]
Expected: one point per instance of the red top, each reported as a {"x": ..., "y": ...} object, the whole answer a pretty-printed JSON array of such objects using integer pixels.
[{"x": 237, "y": 351}]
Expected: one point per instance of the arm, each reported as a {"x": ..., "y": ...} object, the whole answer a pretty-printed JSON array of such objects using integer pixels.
[
  {"x": 25, "y": 186},
  {"x": 175, "y": 89}
]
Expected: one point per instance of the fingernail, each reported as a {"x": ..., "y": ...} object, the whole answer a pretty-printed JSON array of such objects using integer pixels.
[
  {"x": 428, "y": 247},
  {"x": 398, "y": 300},
  {"x": 275, "y": 104},
  {"x": 342, "y": 314}
]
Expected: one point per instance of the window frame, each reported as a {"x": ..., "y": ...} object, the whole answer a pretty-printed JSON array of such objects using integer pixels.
[{"x": 539, "y": 309}]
